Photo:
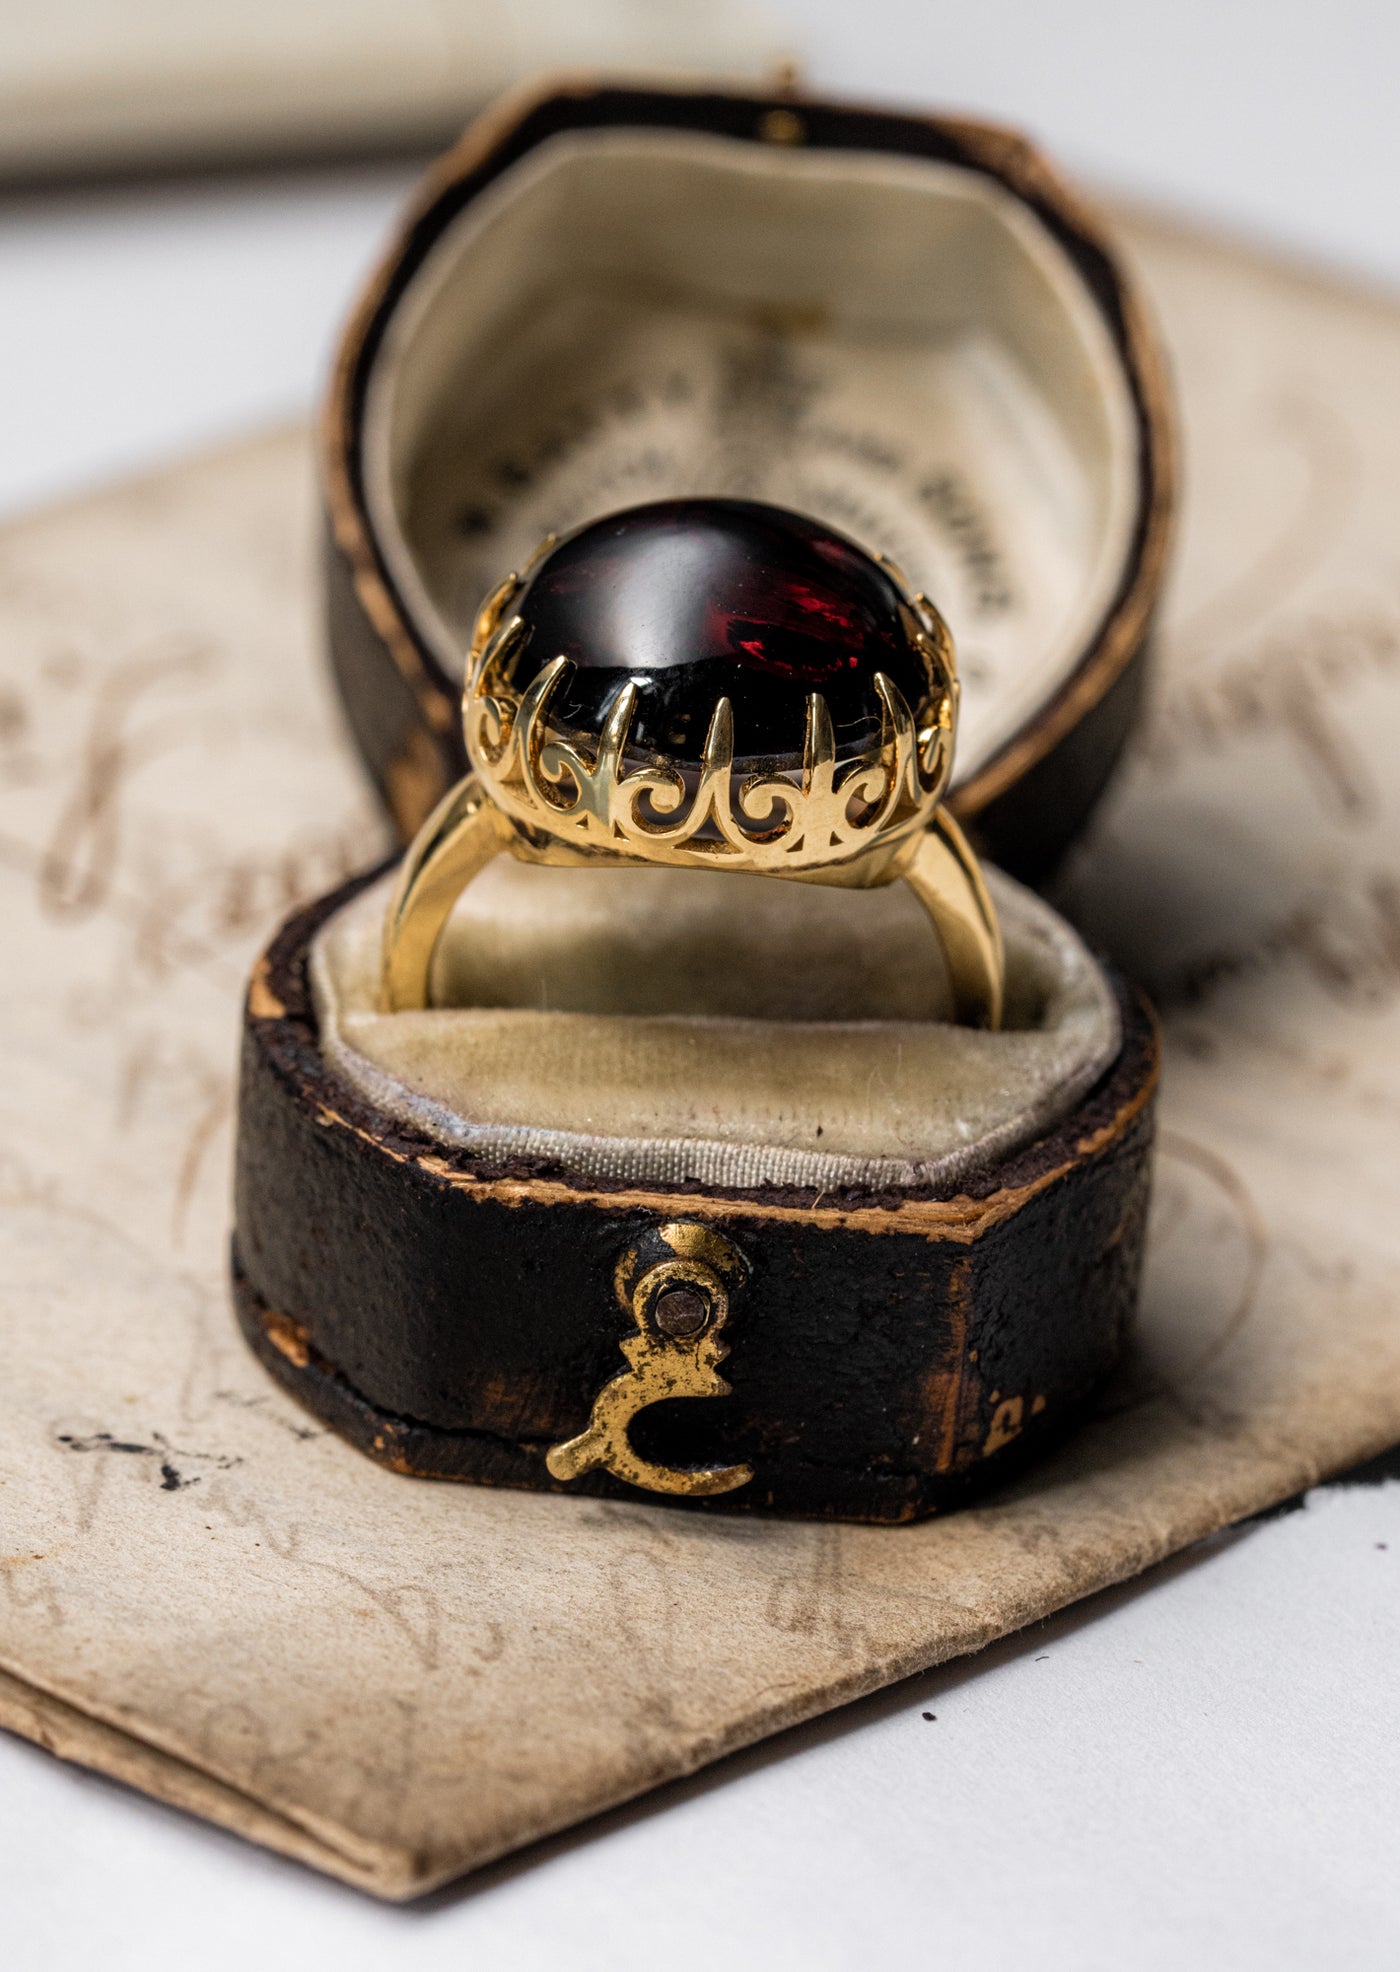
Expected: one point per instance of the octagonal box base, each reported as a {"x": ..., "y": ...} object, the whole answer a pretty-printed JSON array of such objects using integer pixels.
[{"x": 450, "y": 1306}]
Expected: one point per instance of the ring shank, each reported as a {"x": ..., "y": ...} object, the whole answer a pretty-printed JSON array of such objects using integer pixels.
[
  {"x": 467, "y": 831},
  {"x": 944, "y": 875},
  {"x": 464, "y": 833}
]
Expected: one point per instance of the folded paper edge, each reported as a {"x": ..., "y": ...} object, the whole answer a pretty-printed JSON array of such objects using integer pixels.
[
  {"x": 401, "y": 1875},
  {"x": 81, "y": 1739}
]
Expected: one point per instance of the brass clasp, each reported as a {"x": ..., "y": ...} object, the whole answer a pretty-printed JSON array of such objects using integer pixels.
[{"x": 680, "y": 1302}]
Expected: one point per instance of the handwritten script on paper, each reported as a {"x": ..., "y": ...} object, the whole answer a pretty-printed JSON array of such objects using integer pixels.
[{"x": 202, "y": 1591}]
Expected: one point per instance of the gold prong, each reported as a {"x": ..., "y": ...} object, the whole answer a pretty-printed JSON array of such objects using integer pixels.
[
  {"x": 488, "y": 704},
  {"x": 715, "y": 794},
  {"x": 935, "y": 739},
  {"x": 533, "y": 561},
  {"x": 899, "y": 749},
  {"x": 536, "y": 700},
  {"x": 818, "y": 760},
  {"x": 819, "y": 749},
  {"x": 491, "y": 611},
  {"x": 490, "y": 661},
  {"x": 719, "y": 741},
  {"x": 607, "y": 768},
  {"x": 895, "y": 573},
  {"x": 895, "y": 703},
  {"x": 934, "y": 639},
  {"x": 530, "y": 738},
  {"x": 615, "y": 731}
]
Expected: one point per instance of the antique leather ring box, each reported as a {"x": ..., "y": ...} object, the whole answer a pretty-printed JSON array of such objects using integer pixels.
[{"x": 641, "y": 1122}]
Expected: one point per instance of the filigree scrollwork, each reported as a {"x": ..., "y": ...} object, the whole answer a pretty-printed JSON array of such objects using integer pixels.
[
  {"x": 606, "y": 798},
  {"x": 556, "y": 785}
]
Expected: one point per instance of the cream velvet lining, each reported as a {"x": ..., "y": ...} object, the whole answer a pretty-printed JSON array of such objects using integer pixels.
[
  {"x": 655, "y": 1026},
  {"x": 896, "y": 346}
]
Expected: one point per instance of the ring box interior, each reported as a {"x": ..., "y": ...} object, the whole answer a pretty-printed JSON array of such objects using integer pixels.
[{"x": 909, "y": 329}]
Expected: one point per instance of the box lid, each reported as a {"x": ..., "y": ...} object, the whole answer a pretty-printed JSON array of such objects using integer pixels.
[{"x": 906, "y": 325}]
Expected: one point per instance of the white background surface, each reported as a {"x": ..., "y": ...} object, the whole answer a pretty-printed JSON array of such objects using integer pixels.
[{"x": 1200, "y": 1771}]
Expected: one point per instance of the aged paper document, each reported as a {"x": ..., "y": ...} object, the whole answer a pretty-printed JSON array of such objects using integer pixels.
[{"x": 204, "y": 1593}]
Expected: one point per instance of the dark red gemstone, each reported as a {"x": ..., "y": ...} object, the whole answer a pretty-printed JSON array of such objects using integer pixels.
[{"x": 698, "y": 600}]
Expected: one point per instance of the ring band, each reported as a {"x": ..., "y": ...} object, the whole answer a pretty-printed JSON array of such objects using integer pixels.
[{"x": 591, "y": 675}]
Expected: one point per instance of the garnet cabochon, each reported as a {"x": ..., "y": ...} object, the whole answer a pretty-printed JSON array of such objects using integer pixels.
[{"x": 697, "y": 600}]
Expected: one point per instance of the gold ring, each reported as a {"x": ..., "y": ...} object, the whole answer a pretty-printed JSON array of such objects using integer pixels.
[{"x": 707, "y": 684}]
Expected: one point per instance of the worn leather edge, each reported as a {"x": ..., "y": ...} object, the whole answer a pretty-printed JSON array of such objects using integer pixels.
[
  {"x": 279, "y": 993},
  {"x": 990, "y": 1316}
]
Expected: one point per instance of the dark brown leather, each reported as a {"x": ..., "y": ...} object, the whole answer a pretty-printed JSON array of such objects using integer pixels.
[{"x": 892, "y": 1354}]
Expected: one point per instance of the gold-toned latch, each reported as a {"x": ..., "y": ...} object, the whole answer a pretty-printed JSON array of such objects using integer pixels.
[{"x": 677, "y": 1285}]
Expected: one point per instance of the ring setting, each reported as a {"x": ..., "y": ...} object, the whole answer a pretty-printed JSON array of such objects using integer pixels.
[{"x": 707, "y": 684}]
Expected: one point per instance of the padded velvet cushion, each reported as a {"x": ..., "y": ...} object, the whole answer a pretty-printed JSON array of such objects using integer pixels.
[{"x": 655, "y": 1026}]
